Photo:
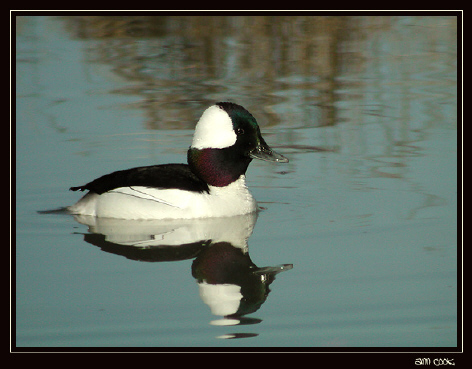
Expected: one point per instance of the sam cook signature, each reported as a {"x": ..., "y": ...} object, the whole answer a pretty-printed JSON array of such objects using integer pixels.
[{"x": 436, "y": 362}]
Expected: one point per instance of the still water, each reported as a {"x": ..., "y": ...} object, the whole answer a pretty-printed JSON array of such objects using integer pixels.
[{"x": 356, "y": 245}]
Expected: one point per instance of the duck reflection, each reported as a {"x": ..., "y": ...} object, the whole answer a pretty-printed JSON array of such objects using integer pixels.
[{"x": 228, "y": 281}]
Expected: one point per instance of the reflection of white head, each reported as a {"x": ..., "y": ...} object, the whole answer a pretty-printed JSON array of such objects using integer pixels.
[
  {"x": 223, "y": 299},
  {"x": 214, "y": 130}
]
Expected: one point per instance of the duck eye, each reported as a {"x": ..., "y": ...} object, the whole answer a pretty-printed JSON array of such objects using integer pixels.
[{"x": 239, "y": 131}]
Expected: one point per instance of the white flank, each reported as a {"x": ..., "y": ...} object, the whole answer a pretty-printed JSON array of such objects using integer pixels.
[
  {"x": 139, "y": 202},
  {"x": 214, "y": 130}
]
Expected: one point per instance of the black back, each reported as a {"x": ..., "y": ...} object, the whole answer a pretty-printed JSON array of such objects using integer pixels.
[{"x": 165, "y": 176}]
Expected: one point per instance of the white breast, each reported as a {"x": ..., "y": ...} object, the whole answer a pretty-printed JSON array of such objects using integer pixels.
[{"x": 139, "y": 202}]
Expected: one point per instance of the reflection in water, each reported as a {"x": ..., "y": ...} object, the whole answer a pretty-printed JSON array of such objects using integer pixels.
[
  {"x": 301, "y": 71},
  {"x": 178, "y": 64},
  {"x": 228, "y": 281}
]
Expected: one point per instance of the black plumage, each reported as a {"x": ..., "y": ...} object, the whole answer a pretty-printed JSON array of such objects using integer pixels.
[{"x": 165, "y": 176}]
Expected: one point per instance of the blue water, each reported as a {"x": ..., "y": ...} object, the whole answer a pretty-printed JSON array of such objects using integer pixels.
[{"x": 365, "y": 212}]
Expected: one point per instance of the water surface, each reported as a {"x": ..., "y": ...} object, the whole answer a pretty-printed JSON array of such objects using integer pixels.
[{"x": 365, "y": 212}]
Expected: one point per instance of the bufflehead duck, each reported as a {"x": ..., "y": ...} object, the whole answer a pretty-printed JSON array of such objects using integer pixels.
[{"x": 212, "y": 184}]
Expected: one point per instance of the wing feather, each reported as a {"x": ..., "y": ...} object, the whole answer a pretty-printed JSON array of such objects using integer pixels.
[{"x": 166, "y": 176}]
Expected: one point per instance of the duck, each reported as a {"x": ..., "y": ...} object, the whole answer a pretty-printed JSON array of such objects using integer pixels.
[{"x": 212, "y": 183}]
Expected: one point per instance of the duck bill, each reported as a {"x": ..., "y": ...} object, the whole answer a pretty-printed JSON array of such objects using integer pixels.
[{"x": 264, "y": 152}]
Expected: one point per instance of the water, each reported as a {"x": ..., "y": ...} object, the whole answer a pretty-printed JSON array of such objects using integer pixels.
[{"x": 366, "y": 210}]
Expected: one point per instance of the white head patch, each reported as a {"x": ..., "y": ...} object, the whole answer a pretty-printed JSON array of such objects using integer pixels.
[{"x": 214, "y": 130}]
